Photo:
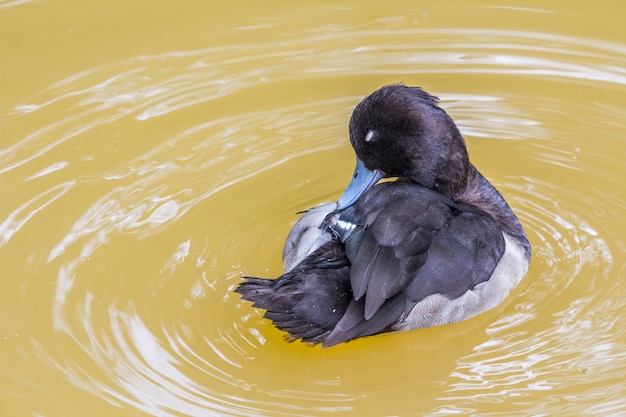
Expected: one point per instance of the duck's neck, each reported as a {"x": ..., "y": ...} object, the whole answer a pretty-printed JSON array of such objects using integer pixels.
[{"x": 480, "y": 193}]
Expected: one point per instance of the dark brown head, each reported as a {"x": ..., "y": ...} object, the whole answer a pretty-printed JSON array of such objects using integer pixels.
[{"x": 402, "y": 132}]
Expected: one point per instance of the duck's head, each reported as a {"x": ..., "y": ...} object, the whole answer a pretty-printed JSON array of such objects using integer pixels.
[{"x": 400, "y": 131}]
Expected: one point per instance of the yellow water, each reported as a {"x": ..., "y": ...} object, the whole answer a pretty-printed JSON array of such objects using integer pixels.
[{"x": 151, "y": 153}]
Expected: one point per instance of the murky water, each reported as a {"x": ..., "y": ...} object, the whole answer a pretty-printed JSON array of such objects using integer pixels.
[{"x": 151, "y": 155}]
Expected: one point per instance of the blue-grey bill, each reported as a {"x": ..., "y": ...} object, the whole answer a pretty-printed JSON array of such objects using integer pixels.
[{"x": 362, "y": 180}]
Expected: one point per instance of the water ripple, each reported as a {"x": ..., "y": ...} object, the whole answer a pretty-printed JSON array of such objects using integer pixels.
[{"x": 207, "y": 352}]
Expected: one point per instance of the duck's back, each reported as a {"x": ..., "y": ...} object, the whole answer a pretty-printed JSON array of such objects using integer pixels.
[{"x": 406, "y": 243}]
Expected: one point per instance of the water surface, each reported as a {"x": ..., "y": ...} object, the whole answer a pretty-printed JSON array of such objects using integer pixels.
[{"x": 151, "y": 155}]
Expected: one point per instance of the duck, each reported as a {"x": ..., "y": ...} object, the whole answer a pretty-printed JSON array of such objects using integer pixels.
[{"x": 419, "y": 237}]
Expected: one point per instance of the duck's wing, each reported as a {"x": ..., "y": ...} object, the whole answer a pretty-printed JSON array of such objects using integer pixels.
[
  {"x": 386, "y": 253},
  {"x": 407, "y": 243},
  {"x": 462, "y": 255}
]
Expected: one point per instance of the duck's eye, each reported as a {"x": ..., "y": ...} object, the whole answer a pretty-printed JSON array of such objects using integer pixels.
[{"x": 371, "y": 136}]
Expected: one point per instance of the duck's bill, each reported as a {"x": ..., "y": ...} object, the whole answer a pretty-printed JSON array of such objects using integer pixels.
[{"x": 362, "y": 180}]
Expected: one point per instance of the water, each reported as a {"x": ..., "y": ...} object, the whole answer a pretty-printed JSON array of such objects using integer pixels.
[{"x": 151, "y": 155}]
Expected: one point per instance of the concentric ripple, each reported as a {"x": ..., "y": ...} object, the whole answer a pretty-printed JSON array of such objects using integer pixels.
[{"x": 171, "y": 222}]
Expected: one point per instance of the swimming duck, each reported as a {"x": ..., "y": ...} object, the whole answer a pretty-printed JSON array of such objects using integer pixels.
[{"x": 437, "y": 245}]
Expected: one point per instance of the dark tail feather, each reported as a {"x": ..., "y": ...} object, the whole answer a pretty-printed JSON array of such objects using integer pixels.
[
  {"x": 256, "y": 289},
  {"x": 281, "y": 298},
  {"x": 308, "y": 301}
]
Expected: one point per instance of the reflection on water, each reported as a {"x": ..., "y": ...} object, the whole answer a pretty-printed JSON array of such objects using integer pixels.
[{"x": 136, "y": 193}]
